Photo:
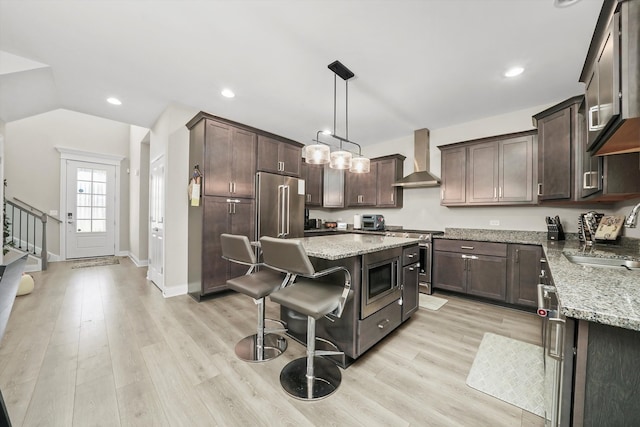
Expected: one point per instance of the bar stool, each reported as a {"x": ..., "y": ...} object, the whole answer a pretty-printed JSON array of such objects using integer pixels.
[
  {"x": 311, "y": 377},
  {"x": 265, "y": 344}
]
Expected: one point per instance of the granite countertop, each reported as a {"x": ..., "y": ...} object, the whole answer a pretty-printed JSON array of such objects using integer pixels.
[
  {"x": 610, "y": 296},
  {"x": 344, "y": 245}
]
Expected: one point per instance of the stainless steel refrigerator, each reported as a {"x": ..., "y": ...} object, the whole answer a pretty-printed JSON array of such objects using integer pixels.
[{"x": 279, "y": 205}]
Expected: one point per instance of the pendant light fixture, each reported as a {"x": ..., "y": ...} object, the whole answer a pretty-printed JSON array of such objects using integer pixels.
[{"x": 320, "y": 153}]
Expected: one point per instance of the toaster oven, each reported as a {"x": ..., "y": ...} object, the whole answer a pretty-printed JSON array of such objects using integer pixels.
[{"x": 372, "y": 222}]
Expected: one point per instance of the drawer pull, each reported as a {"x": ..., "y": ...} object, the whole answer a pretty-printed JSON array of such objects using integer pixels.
[
  {"x": 382, "y": 324},
  {"x": 411, "y": 255},
  {"x": 467, "y": 247}
]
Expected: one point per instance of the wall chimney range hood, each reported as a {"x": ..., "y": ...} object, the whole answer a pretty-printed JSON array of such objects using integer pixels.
[{"x": 421, "y": 177}]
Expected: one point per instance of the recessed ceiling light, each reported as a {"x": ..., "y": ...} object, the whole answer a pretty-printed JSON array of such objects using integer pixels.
[
  {"x": 515, "y": 71},
  {"x": 227, "y": 93},
  {"x": 564, "y": 3},
  {"x": 114, "y": 101}
]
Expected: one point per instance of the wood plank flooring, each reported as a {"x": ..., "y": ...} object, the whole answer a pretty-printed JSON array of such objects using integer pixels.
[{"x": 101, "y": 346}]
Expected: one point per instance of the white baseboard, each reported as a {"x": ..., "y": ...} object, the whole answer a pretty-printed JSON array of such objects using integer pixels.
[
  {"x": 138, "y": 262},
  {"x": 174, "y": 291}
]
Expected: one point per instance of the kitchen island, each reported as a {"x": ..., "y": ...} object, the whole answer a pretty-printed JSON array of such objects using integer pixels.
[{"x": 384, "y": 289}]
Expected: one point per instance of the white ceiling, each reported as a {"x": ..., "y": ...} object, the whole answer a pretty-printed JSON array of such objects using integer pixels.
[{"x": 429, "y": 63}]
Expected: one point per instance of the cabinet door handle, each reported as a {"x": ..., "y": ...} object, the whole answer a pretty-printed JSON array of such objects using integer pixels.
[
  {"x": 230, "y": 187},
  {"x": 467, "y": 247},
  {"x": 392, "y": 198},
  {"x": 591, "y": 184},
  {"x": 494, "y": 193},
  {"x": 382, "y": 324},
  {"x": 517, "y": 255},
  {"x": 540, "y": 189},
  {"x": 500, "y": 192}
]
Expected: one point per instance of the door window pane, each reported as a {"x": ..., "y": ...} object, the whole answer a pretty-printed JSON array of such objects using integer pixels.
[{"x": 91, "y": 200}]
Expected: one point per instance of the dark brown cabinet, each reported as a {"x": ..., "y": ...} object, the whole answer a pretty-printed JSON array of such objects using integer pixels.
[
  {"x": 524, "y": 268},
  {"x": 471, "y": 267},
  {"x": 389, "y": 170},
  {"x": 227, "y": 153},
  {"x": 567, "y": 171},
  {"x": 223, "y": 215},
  {"x": 279, "y": 157},
  {"x": 453, "y": 190},
  {"x": 410, "y": 292},
  {"x": 489, "y": 171},
  {"x": 228, "y": 158},
  {"x": 313, "y": 176},
  {"x": 558, "y": 132},
  {"x": 362, "y": 187}
]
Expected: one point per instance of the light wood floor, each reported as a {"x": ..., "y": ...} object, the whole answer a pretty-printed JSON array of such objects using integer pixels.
[{"x": 101, "y": 346}]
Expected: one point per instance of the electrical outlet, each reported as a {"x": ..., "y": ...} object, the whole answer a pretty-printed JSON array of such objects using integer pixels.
[{"x": 494, "y": 222}]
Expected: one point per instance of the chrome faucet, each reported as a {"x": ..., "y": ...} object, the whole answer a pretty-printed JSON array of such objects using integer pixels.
[{"x": 633, "y": 217}]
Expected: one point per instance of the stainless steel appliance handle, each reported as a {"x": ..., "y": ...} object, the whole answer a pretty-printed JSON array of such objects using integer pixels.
[
  {"x": 287, "y": 190},
  {"x": 556, "y": 352},
  {"x": 280, "y": 213}
]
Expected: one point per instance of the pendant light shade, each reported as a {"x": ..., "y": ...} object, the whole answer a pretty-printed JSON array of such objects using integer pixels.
[
  {"x": 316, "y": 154},
  {"x": 360, "y": 165},
  {"x": 340, "y": 160}
]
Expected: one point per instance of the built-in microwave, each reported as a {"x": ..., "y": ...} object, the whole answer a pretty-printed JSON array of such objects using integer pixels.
[{"x": 380, "y": 280}]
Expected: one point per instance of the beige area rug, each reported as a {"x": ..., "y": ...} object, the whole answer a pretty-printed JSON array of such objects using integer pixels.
[
  {"x": 95, "y": 262},
  {"x": 510, "y": 370},
  {"x": 430, "y": 302}
]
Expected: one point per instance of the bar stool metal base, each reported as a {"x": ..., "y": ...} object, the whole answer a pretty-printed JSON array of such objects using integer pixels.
[
  {"x": 247, "y": 348},
  {"x": 294, "y": 381}
]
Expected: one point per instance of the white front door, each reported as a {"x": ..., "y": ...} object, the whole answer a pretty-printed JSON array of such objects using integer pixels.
[
  {"x": 156, "y": 223},
  {"x": 90, "y": 212}
]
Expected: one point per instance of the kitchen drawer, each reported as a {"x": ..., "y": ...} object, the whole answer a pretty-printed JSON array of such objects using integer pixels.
[
  {"x": 471, "y": 247},
  {"x": 378, "y": 325},
  {"x": 410, "y": 255}
]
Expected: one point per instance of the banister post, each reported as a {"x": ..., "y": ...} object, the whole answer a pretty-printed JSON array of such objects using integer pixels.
[{"x": 43, "y": 252}]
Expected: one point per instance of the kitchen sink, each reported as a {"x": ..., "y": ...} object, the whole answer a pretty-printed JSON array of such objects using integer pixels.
[{"x": 603, "y": 262}]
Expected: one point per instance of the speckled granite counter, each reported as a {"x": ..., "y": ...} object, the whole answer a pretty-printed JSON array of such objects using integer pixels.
[
  {"x": 343, "y": 245},
  {"x": 610, "y": 296}
]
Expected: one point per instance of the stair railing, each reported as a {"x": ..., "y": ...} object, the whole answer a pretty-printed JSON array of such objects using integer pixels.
[{"x": 27, "y": 229}]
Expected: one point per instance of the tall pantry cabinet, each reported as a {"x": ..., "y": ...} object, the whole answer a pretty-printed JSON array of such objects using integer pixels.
[{"x": 226, "y": 156}]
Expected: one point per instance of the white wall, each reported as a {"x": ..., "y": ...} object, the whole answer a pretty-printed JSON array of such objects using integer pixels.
[
  {"x": 139, "y": 195},
  {"x": 169, "y": 136},
  {"x": 422, "y": 210},
  {"x": 32, "y": 166}
]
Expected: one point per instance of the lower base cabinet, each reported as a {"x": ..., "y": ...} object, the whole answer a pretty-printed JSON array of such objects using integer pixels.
[
  {"x": 504, "y": 272},
  {"x": 525, "y": 266},
  {"x": 471, "y": 267}
]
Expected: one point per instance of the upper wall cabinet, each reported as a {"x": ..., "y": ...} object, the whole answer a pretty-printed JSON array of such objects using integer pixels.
[
  {"x": 489, "y": 171},
  {"x": 611, "y": 75},
  {"x": 390, "y": 170},
  {"x": 453, "y": 190},
  {"x": 559, "y": 132},
  {"x": 227, "y": 156},
  {"x": 313, "y": 176},
  {"x": 568, "y": 172},
  {"x": 277, "y": 156},
  {"x": 362, "y": 187}
]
